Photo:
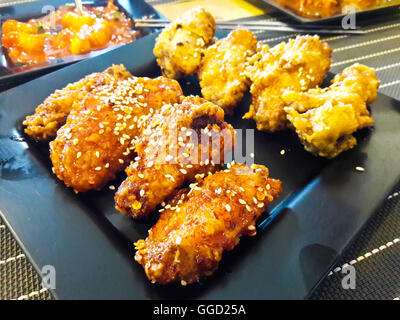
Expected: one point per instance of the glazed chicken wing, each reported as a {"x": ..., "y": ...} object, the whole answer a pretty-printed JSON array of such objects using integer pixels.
[
  {"x": 183, "y": 142},
  {"x": 98, "y": 138},
  {"x": 200, "y": 222},
  {"x": 180, "y": 46},
  {"x": 298, "y": 65},
  {"x": 325, "y": 119},
  {"x": 222, "y": 72},
  {"x": 53, "y": 112}
]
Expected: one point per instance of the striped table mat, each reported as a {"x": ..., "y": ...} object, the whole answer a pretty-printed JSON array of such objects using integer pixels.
[{"x": 375, "y": 253}]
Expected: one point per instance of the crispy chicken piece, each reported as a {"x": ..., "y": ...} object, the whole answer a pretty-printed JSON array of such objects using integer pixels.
[
  {"x": 200, "y": 222},
  {"x": 359, "y": 79},
  {"x": 325, "y": 119},
  {"x": 183, "y": 142},
  {"x": 52, "y": 114},
  {"x": 98, "y": 138},
  {"x": 298, "y": 65},
  {"x": 222, "y": 77},
  {"x": 180, "y": 46}
]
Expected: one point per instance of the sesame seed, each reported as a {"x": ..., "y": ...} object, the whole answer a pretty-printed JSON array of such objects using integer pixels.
[
  {"x": 252, "y": 227},
  {"x": 97, "y": 168},
  {"x": 142, "y": 193},
  {"x": 361, "y": 169},
  {"x": 78, "y": 155},
  {"x": 183, "y": 171},
  {"x": 111, "y": 187},
  {"x": 242, "y": 201},
  {"x": 282, "y": 152},
  {"x": 228, "y": 207}
]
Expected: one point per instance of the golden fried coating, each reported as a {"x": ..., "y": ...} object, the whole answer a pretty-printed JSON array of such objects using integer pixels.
[
  {"x": 52, "y": 114},
  {"x": 180, "y": 46},
  {"x": 222, "y": 77},
  {"x": 359, "y": 79},
  {"x": 325, "y": 119},
  {"x": 298, "y": 65},
  {"x": 98, "y": 138},
  {"x": 183, "y": 142},
  {"x": 200, "y": 222}
]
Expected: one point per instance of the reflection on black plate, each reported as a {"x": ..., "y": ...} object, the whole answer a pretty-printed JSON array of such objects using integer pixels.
[
  {"x": 323, "y": 206},
  {"x": 12, "y": 74}
]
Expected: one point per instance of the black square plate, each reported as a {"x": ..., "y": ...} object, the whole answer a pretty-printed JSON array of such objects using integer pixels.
[
  {"x": 323, "y": 206},
  {"x": 11, "y": 74},
  {"x": 386, "y": 7}
]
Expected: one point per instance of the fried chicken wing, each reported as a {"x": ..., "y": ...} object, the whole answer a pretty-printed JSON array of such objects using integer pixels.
[
  {"x": 325, "y": 119},
  {"x": 53, "y": 112},
  {"x": 98, "y": 138},
  {"x": 298, "y": 65},
  {"x": 183, "y": 142},
  {"x": 200, "y": 222},
  {"x": 359, "y": 79},
  {"x": 222, "y": 72},
  {"x": 180, "y": 46}
]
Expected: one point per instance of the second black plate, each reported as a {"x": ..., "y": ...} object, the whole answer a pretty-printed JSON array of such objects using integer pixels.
[{"x": 311, "y": 19}]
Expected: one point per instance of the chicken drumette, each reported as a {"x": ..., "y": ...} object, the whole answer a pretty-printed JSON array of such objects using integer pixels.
[
  {"x": 53, "y": 112},
  {"x": 183, "y": 142},
  {"x": 98, "y": 138},
  {"x": 222, "y": 72},
  {"x": 325, "y": 119},
  {"x": 298, "y": 65},
  {"x": 199, "y": 223},
  {"x": 180, "y": 46}
]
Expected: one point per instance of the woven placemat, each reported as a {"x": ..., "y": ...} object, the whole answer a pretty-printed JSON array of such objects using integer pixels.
[
  {"x": 18, "y": 279},
  {"x": 375, "y": 253}
]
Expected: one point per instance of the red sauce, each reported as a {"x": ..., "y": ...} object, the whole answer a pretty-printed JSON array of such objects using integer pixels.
[
  {"x": 326, "y": 8},
  {"x": 65, "y": 32}
]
